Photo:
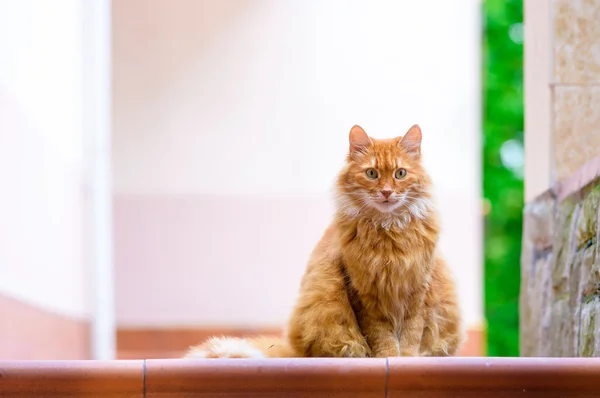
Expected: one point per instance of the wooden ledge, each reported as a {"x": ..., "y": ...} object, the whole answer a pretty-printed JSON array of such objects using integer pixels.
[{"x": 308, "y": 377}]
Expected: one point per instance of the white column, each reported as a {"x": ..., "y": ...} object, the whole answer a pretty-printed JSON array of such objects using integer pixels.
[
  {"x": 538, "y": 101},
  {"x": 97, "y": 93}
]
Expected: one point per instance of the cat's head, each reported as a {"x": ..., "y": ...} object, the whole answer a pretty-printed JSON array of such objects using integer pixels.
[{"x": 384, "y": 177}]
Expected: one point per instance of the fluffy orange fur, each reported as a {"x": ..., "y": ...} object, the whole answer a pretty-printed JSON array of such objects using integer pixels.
[{"x": 375, "y": 285}]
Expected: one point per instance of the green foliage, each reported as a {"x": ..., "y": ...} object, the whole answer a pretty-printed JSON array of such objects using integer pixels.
[{"x": 503, "y": 170}]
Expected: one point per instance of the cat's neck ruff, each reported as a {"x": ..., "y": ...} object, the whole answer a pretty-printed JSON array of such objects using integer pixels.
[{"x": 414, "y": 210}]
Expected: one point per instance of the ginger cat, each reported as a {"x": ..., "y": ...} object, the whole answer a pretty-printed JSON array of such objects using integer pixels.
[{"x": 375, "y": 285}]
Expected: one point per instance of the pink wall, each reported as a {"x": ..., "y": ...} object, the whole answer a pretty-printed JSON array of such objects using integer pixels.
[{"x": 212, "y": 260}]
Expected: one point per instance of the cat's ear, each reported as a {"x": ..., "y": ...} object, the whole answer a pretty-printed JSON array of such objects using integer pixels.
[
  {"x": 412, "y": 141},
  {"x": 359, "y": 140}
]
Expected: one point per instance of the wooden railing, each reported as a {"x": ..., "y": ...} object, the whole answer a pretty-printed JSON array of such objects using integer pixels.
[{"x": 316, "y": 377}]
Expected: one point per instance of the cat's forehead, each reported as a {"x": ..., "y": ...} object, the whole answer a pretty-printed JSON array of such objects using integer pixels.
[{"x": 385, "y": 154}]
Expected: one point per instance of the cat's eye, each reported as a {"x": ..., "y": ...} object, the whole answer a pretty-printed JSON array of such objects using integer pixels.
[
  {"x": 400, "y": 174},
  {"x": 371, "y": 174}
]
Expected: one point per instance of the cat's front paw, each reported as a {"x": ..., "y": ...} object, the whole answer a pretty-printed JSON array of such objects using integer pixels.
[
  {"x": 354, "y": 350},
  {"x": 409, "y": 352},
  {"x": 387, "y": 352}
]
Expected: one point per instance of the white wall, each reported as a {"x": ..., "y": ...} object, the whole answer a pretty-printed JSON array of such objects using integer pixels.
[
  {"x": 41, "y": 246},
  {"x": 225, "y": 111}
]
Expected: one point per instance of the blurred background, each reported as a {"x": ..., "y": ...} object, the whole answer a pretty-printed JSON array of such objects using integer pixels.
[{"x": 167, "y": 165}]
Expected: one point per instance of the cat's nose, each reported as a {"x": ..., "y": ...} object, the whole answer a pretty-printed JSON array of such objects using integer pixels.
[{"x": 386, "y": 193}]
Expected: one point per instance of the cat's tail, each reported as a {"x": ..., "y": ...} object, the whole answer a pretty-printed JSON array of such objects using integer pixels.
[{"x": 234, "y": 347}]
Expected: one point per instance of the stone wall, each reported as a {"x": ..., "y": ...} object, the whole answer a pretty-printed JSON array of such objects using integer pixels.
[{"x": 560, "y": 273}]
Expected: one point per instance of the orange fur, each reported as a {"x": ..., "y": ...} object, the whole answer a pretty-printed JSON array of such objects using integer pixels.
[{"x": 375, "y": 284}]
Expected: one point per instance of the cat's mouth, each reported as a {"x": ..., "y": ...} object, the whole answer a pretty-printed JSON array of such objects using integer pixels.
[
  {"x": 389, "y": 200},
  {"x": 386, "y": 205}
]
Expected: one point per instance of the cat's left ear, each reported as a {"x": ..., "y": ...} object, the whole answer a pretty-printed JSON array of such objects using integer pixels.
[
  {"x": 359, "y": 140},
  {"x": 412, "y": 141}
]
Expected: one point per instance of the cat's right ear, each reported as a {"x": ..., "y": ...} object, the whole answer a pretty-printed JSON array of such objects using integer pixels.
[
  {"x": 359, "y": 140},
  {"x": 412, "y": 141}
]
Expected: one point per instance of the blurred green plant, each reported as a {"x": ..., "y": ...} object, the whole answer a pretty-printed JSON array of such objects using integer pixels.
[{"x": 503, "y": 161}]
